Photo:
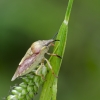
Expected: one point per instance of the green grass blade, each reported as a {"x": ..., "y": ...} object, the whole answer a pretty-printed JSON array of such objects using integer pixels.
[{"x": 49, "y": 90}]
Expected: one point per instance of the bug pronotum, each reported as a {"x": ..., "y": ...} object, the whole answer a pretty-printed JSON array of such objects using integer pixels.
[{"x": 33, "y": 57}]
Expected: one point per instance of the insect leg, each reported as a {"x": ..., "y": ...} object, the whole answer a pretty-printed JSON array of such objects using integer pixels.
[
  {"x": 38, "y": 70},
  {"x": 50, "y": 67},
  {"x": 54, "y": 55}
]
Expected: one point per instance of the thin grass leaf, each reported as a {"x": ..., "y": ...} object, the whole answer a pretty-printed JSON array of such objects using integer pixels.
[{"x": 49, "y": 90}]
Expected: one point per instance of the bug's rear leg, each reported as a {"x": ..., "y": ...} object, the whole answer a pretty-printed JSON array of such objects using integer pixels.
[
  {"x": 54, "y": 55},
  {"x": 50, "y": 67},
  {"x": 38, "y": 71}
]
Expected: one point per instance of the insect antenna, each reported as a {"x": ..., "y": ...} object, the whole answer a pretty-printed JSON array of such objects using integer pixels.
[{"x": 54, "y": 36}]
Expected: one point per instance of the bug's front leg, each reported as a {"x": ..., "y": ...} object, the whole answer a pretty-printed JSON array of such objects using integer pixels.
[
  {"x": 51, "y": 54},
  {"x": 49, "y": 65}
]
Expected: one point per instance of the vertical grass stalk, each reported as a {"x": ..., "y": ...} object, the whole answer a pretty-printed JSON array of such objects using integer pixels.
[{"x": 49, "y": 90}]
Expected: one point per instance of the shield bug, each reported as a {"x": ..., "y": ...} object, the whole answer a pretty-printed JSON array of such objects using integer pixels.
[{"x": 33, "y": 57}]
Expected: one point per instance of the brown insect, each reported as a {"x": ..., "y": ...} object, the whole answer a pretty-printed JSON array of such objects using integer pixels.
[{"x": 33, "y": 57}]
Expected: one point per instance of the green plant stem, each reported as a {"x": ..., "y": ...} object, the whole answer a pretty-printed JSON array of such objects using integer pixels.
[{"x": 49, "y": 90}]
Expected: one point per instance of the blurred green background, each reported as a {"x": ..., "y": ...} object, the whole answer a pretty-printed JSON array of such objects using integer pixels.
[{"x": 24, "y": 21}]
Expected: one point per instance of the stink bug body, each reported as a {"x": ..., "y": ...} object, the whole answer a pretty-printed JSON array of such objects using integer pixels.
[{"x": 33, "y": 57}]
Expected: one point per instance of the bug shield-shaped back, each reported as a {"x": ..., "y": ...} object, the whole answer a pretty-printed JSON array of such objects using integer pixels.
[{"x": 33, "y": 57}]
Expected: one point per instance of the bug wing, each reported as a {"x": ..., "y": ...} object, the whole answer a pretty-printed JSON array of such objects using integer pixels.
[
  {"x": 24, "y": 65},
  {"x": 28, "y": 54}
]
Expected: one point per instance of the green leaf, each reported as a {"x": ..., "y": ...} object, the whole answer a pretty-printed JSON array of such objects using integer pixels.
[{"x": 49, "y": 90}]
